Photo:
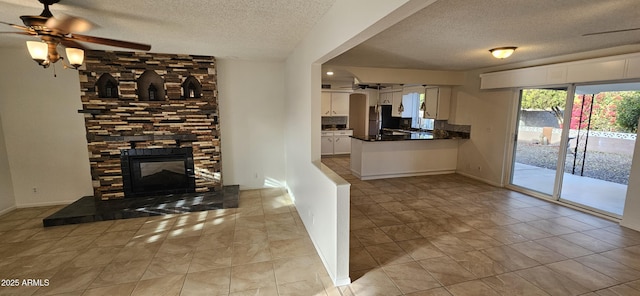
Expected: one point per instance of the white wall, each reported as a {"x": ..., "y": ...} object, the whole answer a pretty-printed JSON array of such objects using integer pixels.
[
  {"x": 7, "y": 200},
  {"x": 43, "y": 132},
  {"x": 488, "y": 113},
  {"x": 252, "y": 112},
  {"x": 322, "y": 198}
]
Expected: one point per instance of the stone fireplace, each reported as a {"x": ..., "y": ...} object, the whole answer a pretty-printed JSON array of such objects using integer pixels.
[{"x": 152, "y": 123}]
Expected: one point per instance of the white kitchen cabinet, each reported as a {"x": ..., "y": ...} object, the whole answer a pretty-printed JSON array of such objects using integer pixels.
[
  {"x": 326, "y": 146},
  {"x": 395, "y": 106},
  {"x": 386, "y": 98},
  {"x": 336, "y": 142},
  {"x": 437, "y": 100},
  {"x": 326, "y": 104},
  {"x": 342, "y": 142},
  {"x": 335, "y": 104}
]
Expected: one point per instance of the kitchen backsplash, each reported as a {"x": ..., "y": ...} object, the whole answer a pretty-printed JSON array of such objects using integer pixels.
[{"x": 453, "y": 130}]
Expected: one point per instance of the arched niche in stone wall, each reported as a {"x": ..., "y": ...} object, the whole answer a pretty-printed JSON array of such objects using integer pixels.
[
  {"x": 151, "y": 87},
  {"x": 107, "y": 86},
  {"x": 191, "y": 88}
]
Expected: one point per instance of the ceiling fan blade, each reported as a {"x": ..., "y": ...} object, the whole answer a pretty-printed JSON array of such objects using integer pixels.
[
  {"x": 612, "y": 31},
  {"x": 68, "y": 24},
  {"x": 111, "y": 42},
  {"x": 15, "y": 26},
  {"x": 71, "y": 43},
  {"x": 19, "y": 33}
]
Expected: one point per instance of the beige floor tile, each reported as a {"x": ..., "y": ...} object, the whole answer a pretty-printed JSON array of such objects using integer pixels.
[
  {"x": 162, "y": 286},
  {"x": 374, "y": 282},
  {"x": 55, "y": 232},
  {"x": 70, "y": 279},
  {"x": 528, "y": 231},
  {"x": 552, "y": 282},
  {"x": 503, "y": 235},
  {"x": 216, "y": 240},
  {"x": 583, "y": 275},
  {"x": 361, "y": 222},
  {"x": 116, "y": 238},
  {"x": 388, "y": 254},
  {"x": 252, "y": 276},
  {"x": 612, "y": 238},
  {"x": 477, "y": 239},
  {"x": 91, "y": 228},
  {"x": 210, "y": 282},
  {"x": 509, "y": 258},
  {"x": 96, "y": 256},
  {"x": 410, "y": 277},
  {"x": 120, "y": 289},
  {"x": 588, "y": 242},
  {"x": 428, "y": 229},
  {"x": 619, "y": 290},
  {"x": 302, "y": 288},
  {"x": 479, "y": 264},
  {"x": 251, "y": 236},
  {"x": 14, "y": 236},
  {"x": 609, "y": 267},
  {"x": 384, "y": 219},
  {"x": 449, "y": 244},
  {"x": 178, "y": 246},
  {"x": 127, "y": 224},
  {"x": 624, "y": 256},
  {"x": 291, "y": 247},
  {"x": 137, "y": 251},
  {"x": 70, "y": 243},
  {"x": 400, "y": 232},
  {"x": 250, "y": 253},
  {"x": 264, "y": 291},
  {"x": 207, "y": 259},
  {"x": 538, "y": 252},
  {"x": 371, "y": 236},
  {"x": 420, "y": 249},
  {"x": 360, "y": 259},
  {"x": 564, "y": 247},
  {"x": 446, "y": 270},
  {"x": 510, "y": 284},
  {"x": 165, "y": 265},
  {"x": 121, "y": 272},
  {"x": 431, "y": 292},
  {"x": 289, "y": 270},
  {"x": 472, "y": 288}
]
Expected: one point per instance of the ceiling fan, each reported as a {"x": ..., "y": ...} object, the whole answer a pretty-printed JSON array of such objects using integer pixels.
[{"x": 54, "y": 31}]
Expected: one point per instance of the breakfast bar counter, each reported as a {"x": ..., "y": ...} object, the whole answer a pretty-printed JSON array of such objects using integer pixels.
[{"x": 389, "y": 156}]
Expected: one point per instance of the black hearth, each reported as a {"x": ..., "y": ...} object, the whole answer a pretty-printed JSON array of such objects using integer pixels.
[{"x": 147, "y": 172}]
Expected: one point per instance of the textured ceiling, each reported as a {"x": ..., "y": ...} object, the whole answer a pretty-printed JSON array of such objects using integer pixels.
[
  {"x": 457, "y": 34},
  {"x": 246, "y": 29},
  {"x": 446, "y": 35}
]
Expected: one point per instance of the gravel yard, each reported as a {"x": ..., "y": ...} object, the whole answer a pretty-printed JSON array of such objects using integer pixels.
[{"x": 610, "y": 167}]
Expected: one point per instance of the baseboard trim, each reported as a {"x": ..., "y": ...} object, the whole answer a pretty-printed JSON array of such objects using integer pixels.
[
  {"x": 480, "y": 179},
  {"x": 45, "y": 204},
  {"x": 7, "y": 210}
]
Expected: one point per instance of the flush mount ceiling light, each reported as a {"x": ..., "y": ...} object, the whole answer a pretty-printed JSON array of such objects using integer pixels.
[
  {"x": 330, "y": 73},
  {"x": 502, "y": 52}
]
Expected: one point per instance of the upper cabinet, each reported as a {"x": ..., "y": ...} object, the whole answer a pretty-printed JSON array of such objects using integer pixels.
[
  {"x": 437, "y": 101},
  {"x": 386, "y": 98},
  {"x": 396, "y": 101},
  {"x": 335, "y": 104}
]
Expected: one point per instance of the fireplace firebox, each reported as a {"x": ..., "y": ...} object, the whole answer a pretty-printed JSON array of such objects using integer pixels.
[{"x": 148, "y": 172}]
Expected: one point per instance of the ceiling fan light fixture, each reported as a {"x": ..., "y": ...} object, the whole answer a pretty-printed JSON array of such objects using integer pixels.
[
  {"x": 502, "y": 52},
  {"x": 39, "y": 51},
  {"x": 75, "y": 56}
]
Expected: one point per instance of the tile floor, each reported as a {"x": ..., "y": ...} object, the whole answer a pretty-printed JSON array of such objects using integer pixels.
[
  {"x": 261, "y": 248},
  {"x": 451, "y": 235},
  {"x": 432, "y": 235}
]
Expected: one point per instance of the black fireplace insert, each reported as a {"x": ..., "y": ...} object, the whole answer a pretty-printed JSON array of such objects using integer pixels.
[{"x": 157, "y": 171}]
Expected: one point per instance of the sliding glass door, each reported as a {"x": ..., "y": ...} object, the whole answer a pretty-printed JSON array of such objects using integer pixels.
[
  {"x": 577, "y": 150},
  {"x": 537, "y": 140}
]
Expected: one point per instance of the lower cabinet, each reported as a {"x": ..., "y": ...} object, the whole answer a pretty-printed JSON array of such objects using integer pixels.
[{"x": 336, "y": 142}]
